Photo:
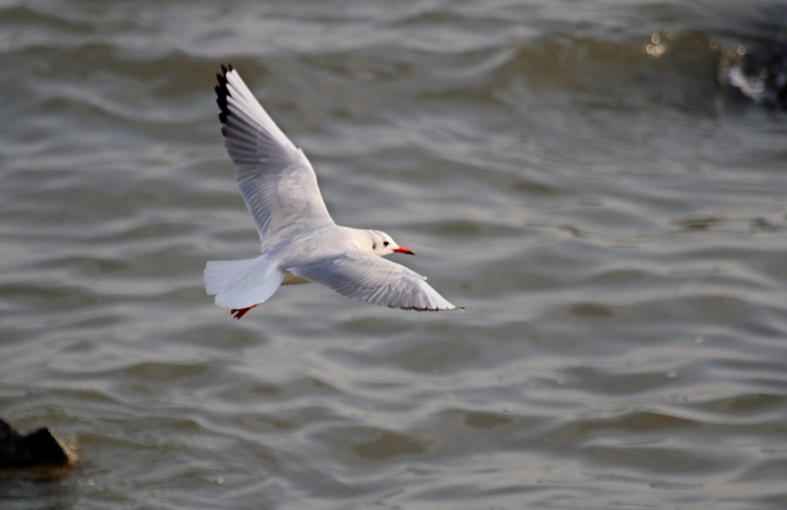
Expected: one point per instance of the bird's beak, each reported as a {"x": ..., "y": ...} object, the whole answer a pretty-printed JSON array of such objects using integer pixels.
[{"x": 402, "y": 249}]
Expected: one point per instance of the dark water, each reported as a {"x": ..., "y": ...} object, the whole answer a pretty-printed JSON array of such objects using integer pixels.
[{"x": 582, "y": 176}]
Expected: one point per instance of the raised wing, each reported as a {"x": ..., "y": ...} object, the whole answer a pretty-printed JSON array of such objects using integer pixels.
[
  {"x": 275, "y": 178},
  {"x": 363, "y": 276}
]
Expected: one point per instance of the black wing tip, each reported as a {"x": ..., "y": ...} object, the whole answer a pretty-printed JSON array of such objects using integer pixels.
[
  {"x": 222, "y": 92},
  {"x": 459, "y": 308}
]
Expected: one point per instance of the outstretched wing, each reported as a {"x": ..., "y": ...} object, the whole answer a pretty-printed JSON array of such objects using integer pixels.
[
  {"x": 363, "y": 276},
  {"x": 275, "y": 178}
]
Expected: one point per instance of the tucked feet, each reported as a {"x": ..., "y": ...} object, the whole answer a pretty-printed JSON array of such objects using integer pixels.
[{"x": 241, "y": 312}]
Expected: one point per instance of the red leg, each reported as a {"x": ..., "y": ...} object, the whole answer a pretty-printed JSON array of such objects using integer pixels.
[{"x": 241, "y": 312}]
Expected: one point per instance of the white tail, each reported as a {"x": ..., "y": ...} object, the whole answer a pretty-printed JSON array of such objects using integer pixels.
[{"x": 241, "y": 283}]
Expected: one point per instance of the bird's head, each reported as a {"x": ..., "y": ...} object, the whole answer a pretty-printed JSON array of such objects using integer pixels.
[{"x": 382, "y": 244}]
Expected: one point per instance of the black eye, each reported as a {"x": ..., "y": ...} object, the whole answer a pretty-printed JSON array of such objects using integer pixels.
[{"x": 385, "y": 243}]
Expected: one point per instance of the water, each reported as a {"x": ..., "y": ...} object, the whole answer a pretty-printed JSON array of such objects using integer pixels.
[{"x": 611, "y": 214}]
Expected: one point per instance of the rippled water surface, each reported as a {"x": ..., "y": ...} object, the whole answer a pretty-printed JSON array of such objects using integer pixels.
[{"x": 578, "y": 174}]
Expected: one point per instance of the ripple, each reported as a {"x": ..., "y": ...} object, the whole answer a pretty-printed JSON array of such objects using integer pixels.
[
  {"x": 590, "y": 311},
  {"x": 664, "y": 460},
  {"x": 174, "y": 374},
  {"x": 55, "y": 297},
  {"x": 483, "y": 421},
  {"x": 293, "y": 389},
  {"x": 368, "y": 444},
  {"x": 745, "y": 405}
]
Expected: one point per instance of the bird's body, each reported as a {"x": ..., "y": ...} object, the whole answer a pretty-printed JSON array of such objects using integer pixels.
[{"x": 300, "y": 242}]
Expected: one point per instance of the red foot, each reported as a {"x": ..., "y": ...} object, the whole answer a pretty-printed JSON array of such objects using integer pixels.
[{"x": 241, "y": 312}]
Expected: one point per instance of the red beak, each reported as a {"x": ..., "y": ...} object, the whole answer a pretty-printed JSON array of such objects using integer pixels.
[{"x": 402, "y": 249}]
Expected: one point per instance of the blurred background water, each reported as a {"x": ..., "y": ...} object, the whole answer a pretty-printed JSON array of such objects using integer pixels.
[{"x": 600, "y": 183}]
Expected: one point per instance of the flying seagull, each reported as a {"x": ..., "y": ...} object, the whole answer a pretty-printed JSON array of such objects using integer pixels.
[{"x": 300, "y": 241}]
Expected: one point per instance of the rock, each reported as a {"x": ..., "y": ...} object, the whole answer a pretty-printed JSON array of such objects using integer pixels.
[{"x": 42, "y": 447}]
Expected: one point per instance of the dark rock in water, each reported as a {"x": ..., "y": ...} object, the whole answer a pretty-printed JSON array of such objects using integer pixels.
[{"x": 42, "y": 447}]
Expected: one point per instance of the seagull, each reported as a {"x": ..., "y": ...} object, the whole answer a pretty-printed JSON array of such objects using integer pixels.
[{"x": 300, "y": 243}]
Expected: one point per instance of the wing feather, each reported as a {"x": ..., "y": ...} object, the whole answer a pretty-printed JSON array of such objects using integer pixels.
[
  {"x": 275, "y": 178},
  {"x": 363, "y": 276}
]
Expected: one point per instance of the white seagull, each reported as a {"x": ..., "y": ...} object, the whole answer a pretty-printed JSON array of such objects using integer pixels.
[{"x": 300, "y": 241}]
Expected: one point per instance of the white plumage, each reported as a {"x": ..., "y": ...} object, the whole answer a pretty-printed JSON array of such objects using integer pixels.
[{"x": 300, "y": 242}]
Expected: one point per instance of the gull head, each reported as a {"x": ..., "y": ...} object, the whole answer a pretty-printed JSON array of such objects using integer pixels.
[{"x": 382, "y": 244}]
